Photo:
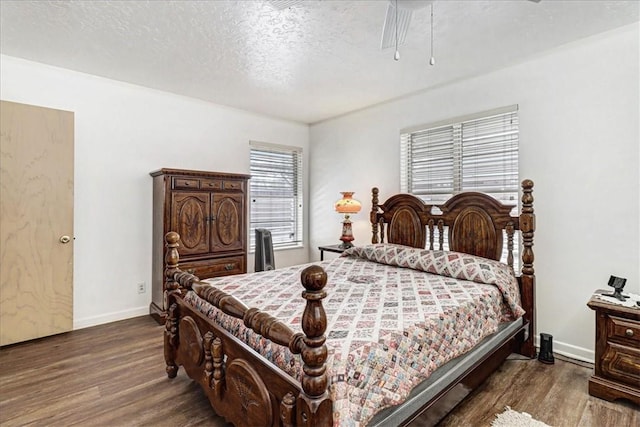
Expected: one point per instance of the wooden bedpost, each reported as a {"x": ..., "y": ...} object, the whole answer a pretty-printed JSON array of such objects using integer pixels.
[
  {"x": 528, "y": 278},
  {"x": 374, "y": 215},
  {"x": 171, "y": 259},
  {"x": 314, "y": 406},
  {"x": 171, "y": 320}
]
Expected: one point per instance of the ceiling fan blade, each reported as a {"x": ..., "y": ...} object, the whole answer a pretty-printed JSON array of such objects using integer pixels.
[
  {"x": 389, "y": 27},
  {"x": 283, "y": 4}
]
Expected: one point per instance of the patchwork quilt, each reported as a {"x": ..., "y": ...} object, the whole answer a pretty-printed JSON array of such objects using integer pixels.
[{"x": 395, "y": 314}]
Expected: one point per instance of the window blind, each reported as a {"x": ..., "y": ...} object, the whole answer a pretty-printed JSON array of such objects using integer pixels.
[
  {"x": 276, "y": 193},
  {"x": 478, "y": 153}
]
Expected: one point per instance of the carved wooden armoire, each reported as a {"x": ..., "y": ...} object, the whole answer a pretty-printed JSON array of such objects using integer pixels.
[{"x": 208, "y": 210}]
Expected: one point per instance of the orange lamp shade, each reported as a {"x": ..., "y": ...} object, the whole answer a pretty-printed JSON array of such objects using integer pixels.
[{"x": 347, "y": 205}]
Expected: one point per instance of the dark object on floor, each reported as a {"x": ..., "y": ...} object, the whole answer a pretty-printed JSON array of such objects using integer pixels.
[
  {"x": 264, "y": 260},
  {"x": 546, "y": 349}
]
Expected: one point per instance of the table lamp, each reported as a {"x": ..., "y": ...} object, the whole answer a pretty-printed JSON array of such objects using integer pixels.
[{"x": 347, "y": 205}]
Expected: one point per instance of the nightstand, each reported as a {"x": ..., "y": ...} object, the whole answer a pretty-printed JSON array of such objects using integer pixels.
[
  {"x": 617, "y": 359},
  {"x": 331, "y": 248}
]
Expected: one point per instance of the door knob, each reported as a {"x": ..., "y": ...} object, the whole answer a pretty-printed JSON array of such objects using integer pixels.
[{"x": 65, "y": 239}]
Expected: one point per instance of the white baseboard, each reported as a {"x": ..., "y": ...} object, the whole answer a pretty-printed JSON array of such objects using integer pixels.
[
  {"x": 571, "y": 351},
  {"x": 109, "y": 317}
]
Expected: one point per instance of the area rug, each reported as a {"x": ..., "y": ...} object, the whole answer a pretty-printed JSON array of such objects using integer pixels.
[{"x": 511, "y": 418}]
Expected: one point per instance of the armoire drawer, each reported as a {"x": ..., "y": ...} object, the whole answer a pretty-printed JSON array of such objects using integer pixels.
[
  {"x": 215, "y": 267},
  {"x": 186, "y": 183},
  {"x": 211, "y": 184},
  {"x": 234, "y": 185}
]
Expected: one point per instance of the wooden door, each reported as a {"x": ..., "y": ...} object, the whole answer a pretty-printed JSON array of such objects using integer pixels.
[
  {"x": 36, "y": 211},
  {"x": 190, "y": 216},
  {"x": 228, "y": 219}
]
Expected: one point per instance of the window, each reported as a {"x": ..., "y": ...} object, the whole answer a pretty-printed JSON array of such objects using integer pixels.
[
  {"x": 276, "y": 193},
  {"x": 477, "y": 153}
]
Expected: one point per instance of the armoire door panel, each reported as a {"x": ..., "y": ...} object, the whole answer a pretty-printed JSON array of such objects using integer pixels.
[
  {"x": 190, "y": 217},
  {"x": 227, "y": 227}
]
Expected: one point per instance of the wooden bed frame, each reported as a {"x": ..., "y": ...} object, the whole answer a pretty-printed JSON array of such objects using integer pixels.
[{"x": 248, "y": 390}]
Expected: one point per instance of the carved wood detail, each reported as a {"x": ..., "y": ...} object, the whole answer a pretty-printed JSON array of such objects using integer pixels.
[
  {"x": 247, "y": 392},
  {"x": 190, "y": 341},
  {"x": 476, "y": 224},
  {"x": 430, "y": 224},
  {"x": 620, "y": 362},
  {"x": 218, "y": 367},
  {"x": 617, "y": 351},
  {"x": 208, "y": 211},
  {"x": 189, "y": 214},
  {"x": 235, "y": 378},
  {"x": 208, "y": 359},
  {"x": 227, "y": 219},
  {"x": 373, "y": 215},
  {"x": 228, "y": 223},
  {"x": 314, "y": 406},
  {"x": 288, "y": 410},
  {"x": 171, "y": 260},
  {"x": 510, "y": 229},
  {"x": 527, "y": 224},
  {"x": 170, "y": 341},
  {"x": 405, "y": 226},
  {"x": 473, "y": 232}
]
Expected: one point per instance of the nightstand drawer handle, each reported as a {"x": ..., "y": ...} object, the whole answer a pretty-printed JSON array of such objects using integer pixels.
[{"x": 629, "y": 332}]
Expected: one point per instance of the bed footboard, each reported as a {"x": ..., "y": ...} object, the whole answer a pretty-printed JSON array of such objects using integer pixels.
[{"x": 241, "y": 385}]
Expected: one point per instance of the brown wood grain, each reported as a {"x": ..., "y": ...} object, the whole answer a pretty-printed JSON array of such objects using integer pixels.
[
  {"x": 209, "y": 211},
  {"x": 617, "y": 369},
  {"x": 476, "y": 216}
]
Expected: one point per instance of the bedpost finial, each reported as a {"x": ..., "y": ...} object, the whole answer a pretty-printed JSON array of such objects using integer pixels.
[
  {"x": 313, "y": 278},
  {"x": 172, "y": 237},
  {"x": 527, "y": 196}
]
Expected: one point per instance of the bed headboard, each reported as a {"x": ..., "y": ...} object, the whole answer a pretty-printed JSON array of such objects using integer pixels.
[{"x": 476, "y": 223}]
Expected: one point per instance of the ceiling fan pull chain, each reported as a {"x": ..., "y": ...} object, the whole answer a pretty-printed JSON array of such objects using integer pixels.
[
  {"x": 396, "y": 56},
  {"x": 432, "y": 60}
]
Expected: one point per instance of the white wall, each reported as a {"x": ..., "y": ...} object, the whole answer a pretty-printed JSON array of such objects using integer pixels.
[
  {"x": 579, "y": 138},
  {"x": 123, "y": 132}
]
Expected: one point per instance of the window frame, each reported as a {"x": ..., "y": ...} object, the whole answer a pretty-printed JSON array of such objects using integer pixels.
[
  {"x": 445, "y": 141},
  {"x": 293, "y": 189}
]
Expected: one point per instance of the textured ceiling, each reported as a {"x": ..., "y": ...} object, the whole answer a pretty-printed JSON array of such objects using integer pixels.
[{"x": 309, "y": 62}]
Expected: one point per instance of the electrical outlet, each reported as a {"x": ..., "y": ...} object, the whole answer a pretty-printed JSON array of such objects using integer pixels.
[{"x": 142, "y": 288}]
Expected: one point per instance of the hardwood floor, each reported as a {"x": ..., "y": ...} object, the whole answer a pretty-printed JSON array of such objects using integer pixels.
[
  {"x": 113, "y": 375},
  {"x": 554, "y": 394}
]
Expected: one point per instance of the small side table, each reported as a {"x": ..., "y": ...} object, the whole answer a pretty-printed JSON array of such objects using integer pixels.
[
  {"x": 617, "y": 358},
  {"x": 331, "y": 248}
]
